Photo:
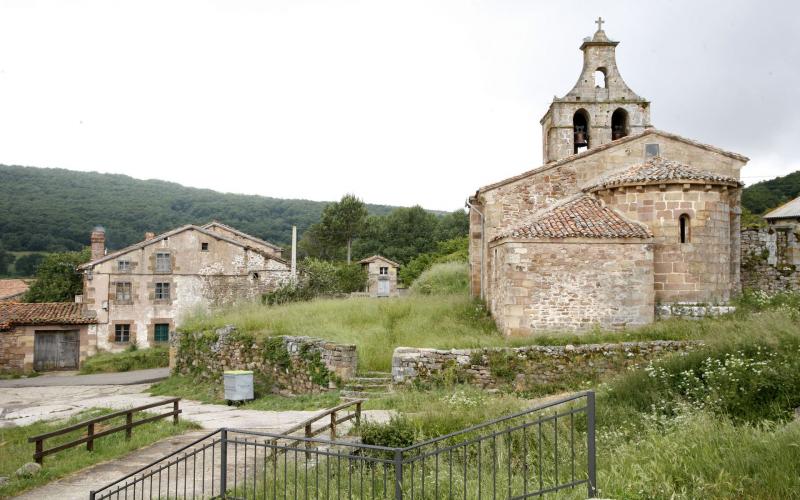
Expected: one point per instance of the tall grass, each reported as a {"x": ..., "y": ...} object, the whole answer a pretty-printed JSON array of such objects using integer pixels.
[
  {"x": 442, "y": 279},
  {"x": 130, "y": 359}
]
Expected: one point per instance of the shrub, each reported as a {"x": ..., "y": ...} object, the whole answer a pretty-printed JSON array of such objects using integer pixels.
[
  {"x": 130, "y": 359},
  {"x": 443, "y": 279},
  {"x": 397, "y": 433},
  {"x": 319, "y": 278},
  {"x": 454, "y": 250}
]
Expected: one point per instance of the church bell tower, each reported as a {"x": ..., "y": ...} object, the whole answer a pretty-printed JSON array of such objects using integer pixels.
[{"x": 599, "y": 109}]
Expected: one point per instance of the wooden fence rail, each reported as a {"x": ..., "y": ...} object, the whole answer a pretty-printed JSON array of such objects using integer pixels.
[
  {"x": 91, "y": 435},
  {"x": 335, "y": 420}
]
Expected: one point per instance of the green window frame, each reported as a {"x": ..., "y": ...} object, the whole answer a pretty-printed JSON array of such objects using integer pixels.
[{"x": 161, "y": 332}]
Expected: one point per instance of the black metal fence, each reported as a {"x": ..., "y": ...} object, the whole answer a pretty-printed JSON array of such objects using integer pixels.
[{"x": 545, "y": 449}]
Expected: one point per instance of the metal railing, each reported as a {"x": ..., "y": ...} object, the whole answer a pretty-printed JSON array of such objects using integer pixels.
[
  {"x": 91, "y": 435},
  {"x": 545, "y": 449}
]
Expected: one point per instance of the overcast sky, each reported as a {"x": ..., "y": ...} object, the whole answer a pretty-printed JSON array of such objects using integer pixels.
[{"x": 404, "y": 102}]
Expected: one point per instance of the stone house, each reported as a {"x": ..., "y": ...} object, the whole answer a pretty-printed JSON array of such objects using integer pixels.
[
  {"x": 381, "y": 276},
  {"x": 12, "y": 290},
  {"x": 620, "y": 217},
  {"x": 44, "y": 336},
  {"x": 142, "y": 292}
]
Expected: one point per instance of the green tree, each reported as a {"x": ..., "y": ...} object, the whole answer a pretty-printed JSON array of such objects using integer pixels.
[
  {"x": 6, "y": 258},
  {"x": 57, "y": 277},
  {"x": 26, "y": 264},
  {"x": 342, "y": 222}
]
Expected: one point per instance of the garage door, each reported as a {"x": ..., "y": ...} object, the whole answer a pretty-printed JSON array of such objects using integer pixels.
[{"x": 57, "y": 350}]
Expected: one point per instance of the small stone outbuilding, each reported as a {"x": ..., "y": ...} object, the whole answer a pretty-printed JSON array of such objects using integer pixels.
[
  {"x": 45, "y": 336},
  {"x": 381, "y": 276}
]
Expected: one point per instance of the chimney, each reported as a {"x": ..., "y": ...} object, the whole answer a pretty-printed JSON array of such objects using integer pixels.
[
  {"x": 149, "y": 235},
  {"x": 98, "y": 243}
]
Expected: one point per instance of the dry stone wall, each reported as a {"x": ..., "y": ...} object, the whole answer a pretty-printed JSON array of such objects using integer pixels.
[
  {"x": 526, "y": 367},
  {"x": 284, "y": 365},
  {"x": 770, "y": 260}
]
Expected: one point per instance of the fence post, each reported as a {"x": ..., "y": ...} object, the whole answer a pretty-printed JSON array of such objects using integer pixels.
[
  {"x": 398, "y": 474},
  {"x": 128, "y": 424},
  {"x": 175, "y": 412},
  {"x": 358, "y": 413},
  {"x": 590, "y": 445},
  {"x": 333, "y": 426},
  {"x": 223, "y": 462},
  {"x": 39, "y": 448},
  {"x": 90, "y": 436},
  {"x": 308, "y": 443}
]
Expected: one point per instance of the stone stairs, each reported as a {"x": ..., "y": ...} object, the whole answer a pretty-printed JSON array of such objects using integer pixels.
[{"x": 369, "y": 385}]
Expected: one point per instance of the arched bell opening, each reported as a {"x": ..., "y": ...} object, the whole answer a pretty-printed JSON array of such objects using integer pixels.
[
  {"x": 580, "y": 130},
  {"x": 619, "y": 124},
  {"x": 600, "y": 78}
]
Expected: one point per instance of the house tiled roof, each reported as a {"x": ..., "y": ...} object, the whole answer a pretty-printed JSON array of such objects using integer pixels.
[
  {"x": 162, "y": 236},
  {"x": 12, "y": 288},
  {"x": 788, "y": 210},
  {"x": 250, "y": 237},
  {"x": 376, "y": 257},
  {"x": 660, "y": 171},
  {"x": 582, "y": 216},
  {"x": 45, "y": 313}
]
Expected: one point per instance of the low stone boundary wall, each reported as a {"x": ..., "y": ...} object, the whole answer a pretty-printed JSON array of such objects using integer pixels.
[
  {"x": 285, "y": 365},
  {"x": 691, "y": 311},
  {"x": 526, "y": 367}
]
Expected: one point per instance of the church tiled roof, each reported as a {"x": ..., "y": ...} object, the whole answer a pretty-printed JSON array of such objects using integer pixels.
[
  {"x": 660, "y": 171},
  {"x": 583, "y": 216},
  {"x": 44, "y": 313}
]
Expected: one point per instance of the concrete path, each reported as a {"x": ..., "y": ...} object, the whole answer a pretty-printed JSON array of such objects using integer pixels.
[{"x": 61, "y": 379}]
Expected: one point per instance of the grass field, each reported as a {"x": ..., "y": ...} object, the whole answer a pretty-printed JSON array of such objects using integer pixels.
[
  {"x": 130, "y": 359},
  {"x": 16, "y": 451}
]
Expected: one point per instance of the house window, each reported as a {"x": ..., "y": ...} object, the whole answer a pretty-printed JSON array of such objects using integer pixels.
[
  {"x": 684, "y": 223},
  {"x": 161, "y": 332},
  {"x": 163, "y": 262},
  {"x": 384, "y": 270},
  {"x": 204, "y": 247},
  {"x": 122, "y": 333},
  {"x": 123, "y": 266},
  {"x": 123, "y": 291},
  {"x": 651, "y": 150},
  {"x": 162, "y": 291}
]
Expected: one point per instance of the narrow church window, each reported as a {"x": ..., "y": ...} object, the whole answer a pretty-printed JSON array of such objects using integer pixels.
[
  {"x": 684, "y": 222},
  {"x": 580, "y": 127},
  {"x": 600, "y": 78},
  {"x": 619, "y": 124}
]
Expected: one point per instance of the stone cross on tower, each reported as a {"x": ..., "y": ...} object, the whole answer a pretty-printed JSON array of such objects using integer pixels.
[{"x": 599, "y": 23}]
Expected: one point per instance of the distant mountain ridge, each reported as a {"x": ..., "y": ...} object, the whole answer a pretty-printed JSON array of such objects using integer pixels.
[
  {"x": 766, "y": 195},
  {"x": 53, "y": 209}
]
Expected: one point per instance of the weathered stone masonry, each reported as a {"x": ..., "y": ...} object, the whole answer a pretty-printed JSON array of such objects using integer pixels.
[
  {"x": 770, "y": 260},
  {"x": 286, "y": 365},
  {"x": 530, "y": 365}
]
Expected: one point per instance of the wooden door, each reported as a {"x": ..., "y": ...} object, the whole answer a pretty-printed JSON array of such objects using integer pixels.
[
  {"x": 383, "y": 288},
  {"x": 56, "y": 350}
]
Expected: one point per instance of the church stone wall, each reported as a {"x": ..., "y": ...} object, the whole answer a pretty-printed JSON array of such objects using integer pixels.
[
  {"x": 696, "y": 271},
  {"x": 570, "y": 285}
]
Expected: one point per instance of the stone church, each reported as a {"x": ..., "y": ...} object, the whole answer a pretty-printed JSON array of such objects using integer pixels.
[{"x": 620, "y": 217}]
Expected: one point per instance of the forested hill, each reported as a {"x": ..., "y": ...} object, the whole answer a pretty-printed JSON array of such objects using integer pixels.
[
  {"x": 52, "y": 209},
  {"x": 770, "y": 194}
]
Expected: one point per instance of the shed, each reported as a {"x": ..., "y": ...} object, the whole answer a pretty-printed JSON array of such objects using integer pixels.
[
  {"x": 381, "y": 276},
  {"x": 44, "y": 336}
]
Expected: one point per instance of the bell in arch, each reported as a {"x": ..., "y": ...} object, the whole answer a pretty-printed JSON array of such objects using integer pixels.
[{"x": 580, "y": 136}]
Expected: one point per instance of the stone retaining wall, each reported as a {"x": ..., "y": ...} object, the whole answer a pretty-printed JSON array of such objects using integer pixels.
[
  {"x": 285, "y": 365},
  {"x": 526, "y": 367}
]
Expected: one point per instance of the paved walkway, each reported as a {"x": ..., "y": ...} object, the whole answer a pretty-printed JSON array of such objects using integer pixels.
[{"x": 71, "y": 378}]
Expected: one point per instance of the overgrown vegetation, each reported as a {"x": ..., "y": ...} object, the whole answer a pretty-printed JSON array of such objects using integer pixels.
[
  {"x": 443, "y": 279},
  {"x": 57, "y": 279},
  {"x": 453, "y": 250},
  {"x": 319, "y": 278},
  {"x": 130, "y": 359},
  {"x": 16, "y": 451}
]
